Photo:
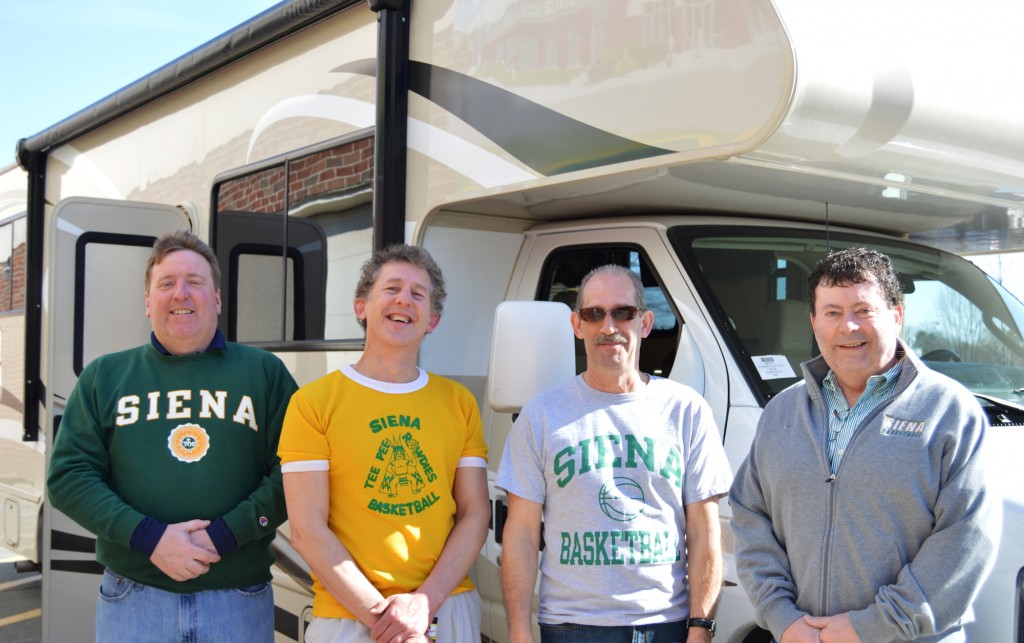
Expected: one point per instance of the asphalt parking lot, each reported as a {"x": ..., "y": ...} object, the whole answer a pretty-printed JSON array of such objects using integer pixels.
[{"x": 20, "y": 603}]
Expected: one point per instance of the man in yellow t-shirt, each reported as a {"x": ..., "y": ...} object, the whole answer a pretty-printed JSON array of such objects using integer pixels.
[{"x": 385, "y": 474}]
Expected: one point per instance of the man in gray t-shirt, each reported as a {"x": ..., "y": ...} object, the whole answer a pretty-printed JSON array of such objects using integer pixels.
[{"x": 626, "y": 471}]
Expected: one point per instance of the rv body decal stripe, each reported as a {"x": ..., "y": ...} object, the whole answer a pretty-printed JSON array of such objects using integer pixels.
[
  {"x": 487, "y": 169},
  {"x": 77, "y": 566},
  {"x": 63, "y": 541},
  {"x": 357, "y": 113},
  {"x": 548, "y": 142},
  {"x": 81, "y": 164},
  {"x": 286, "y": 623},
  {"x": 480, "y": 165}
]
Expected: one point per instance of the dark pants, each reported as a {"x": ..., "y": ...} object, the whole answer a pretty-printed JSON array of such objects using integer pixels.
[{"x": 674, "y": 632}]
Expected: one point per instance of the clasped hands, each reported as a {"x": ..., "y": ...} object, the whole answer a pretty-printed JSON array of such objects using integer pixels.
[
  {"x": 185, "y": 550},
  {"x": 401, "y": 618},
  {"x": 821, "y": 629}
]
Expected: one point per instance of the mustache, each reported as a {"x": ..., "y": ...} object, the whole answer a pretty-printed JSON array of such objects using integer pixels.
[{"x": 614, "y": 338}]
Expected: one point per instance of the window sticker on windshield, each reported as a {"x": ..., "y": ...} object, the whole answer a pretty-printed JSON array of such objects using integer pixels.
[{"x": 773, "y": 367}]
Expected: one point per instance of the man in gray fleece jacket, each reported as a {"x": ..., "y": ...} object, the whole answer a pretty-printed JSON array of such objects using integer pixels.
[{"x": 861, "y": 512}]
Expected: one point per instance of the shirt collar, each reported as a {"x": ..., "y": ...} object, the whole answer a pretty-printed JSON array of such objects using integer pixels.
[
  {"x": 217, "y": 343},
  {"x": 876, "y": 384}
]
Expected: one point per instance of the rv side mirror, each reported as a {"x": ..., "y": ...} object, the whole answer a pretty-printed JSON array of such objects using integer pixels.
[{"x": 532, "y": 350}]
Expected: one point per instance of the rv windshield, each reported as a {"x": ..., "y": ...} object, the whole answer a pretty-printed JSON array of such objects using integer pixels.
[{"x": 957, "y": 319}]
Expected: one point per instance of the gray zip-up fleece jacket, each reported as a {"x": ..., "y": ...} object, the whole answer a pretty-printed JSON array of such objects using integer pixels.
[{"x": 903, "y": 535}]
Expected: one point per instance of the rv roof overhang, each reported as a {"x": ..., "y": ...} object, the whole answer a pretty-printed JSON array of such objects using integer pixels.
[
  {"x": 916, "y": 131},
  {"x": 745, "y": 187}
]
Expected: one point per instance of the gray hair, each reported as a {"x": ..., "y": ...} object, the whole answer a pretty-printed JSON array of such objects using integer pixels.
[{"x": 615, "y": 270}]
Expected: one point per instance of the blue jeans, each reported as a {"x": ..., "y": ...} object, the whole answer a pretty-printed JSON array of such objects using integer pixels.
[
  {"x": 130, "y": 611},
  {"x": 674, "y": 632}
]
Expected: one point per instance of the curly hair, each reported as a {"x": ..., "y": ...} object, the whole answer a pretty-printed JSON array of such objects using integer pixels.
[
  {"x": 856, "y": 266},
  {"x": 413, "y": 255}
]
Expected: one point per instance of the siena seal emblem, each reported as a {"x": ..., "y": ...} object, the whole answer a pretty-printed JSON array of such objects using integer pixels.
[{"x": 188, "y": 442}]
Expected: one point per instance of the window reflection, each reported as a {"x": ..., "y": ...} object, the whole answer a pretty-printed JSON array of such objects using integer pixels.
[{"x": 291, "y": 240}]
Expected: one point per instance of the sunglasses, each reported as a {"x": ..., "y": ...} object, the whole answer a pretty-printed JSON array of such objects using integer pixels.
[{"x": 622, "y": 313}]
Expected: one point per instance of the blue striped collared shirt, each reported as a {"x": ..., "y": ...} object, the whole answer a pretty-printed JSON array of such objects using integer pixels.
[{"x": 842, "y": 420}]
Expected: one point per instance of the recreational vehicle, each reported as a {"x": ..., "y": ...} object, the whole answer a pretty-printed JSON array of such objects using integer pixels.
[
  {"x": 21, "y": 461},
  {"x": 717, "y": 147}
]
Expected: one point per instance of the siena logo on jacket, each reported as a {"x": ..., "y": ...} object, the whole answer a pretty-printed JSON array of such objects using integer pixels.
[{"x": 211, "y": 405}]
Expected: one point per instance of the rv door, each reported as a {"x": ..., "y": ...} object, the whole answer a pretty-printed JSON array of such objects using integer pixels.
[{"x": 95, "y": 304}]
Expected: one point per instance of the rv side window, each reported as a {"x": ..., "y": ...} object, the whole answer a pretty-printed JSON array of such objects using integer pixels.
[
  {"x": 12, "y": 321},
  {"x": 565, "y": 268},
  {"x": 12, "y": 260},
  {"x": 291, "y": 239}
]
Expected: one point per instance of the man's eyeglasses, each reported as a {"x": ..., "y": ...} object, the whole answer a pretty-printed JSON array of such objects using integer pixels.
[{"x": 622, "y": 313}]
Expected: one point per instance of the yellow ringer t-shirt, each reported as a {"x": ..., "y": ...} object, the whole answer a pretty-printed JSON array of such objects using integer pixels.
[{"x": 391, "y": 451}]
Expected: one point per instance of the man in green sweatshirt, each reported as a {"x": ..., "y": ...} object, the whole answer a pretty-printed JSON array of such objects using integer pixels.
[{"x": 168, "y": 453}]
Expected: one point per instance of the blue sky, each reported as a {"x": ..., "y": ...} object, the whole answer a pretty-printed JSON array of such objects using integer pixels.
[{"x": 60, "y": 56}]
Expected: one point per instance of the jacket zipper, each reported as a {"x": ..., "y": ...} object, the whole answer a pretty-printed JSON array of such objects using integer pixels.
[{"x": 829, "y": 507}]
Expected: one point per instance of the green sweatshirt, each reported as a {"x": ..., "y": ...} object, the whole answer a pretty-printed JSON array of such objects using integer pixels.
[{"x": 175, "y": 438}]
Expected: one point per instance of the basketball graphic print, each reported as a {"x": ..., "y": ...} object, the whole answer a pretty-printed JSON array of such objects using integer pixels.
[
  {"x": 188, "y": 442},
  {"x": 622, "y": 499}
]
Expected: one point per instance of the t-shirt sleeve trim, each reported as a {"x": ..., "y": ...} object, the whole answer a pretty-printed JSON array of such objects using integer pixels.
[
  {"x": 472, "y": 461},
  {"x": 302, "y": 466}
]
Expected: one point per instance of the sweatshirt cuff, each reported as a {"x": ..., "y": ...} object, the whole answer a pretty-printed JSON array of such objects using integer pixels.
[
  {"x": 222, "y": 536},
  {"x": 870, "y": 624},
  {"x": 779, "y": 617},
  {"x": 147, "y": 535}
]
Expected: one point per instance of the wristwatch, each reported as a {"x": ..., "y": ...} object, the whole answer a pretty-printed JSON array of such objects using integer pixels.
[{"x": 706, "y": 623}]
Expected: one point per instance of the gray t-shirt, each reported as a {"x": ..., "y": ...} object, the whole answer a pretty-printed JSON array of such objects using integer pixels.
[{"x": 614, "y": 472}]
